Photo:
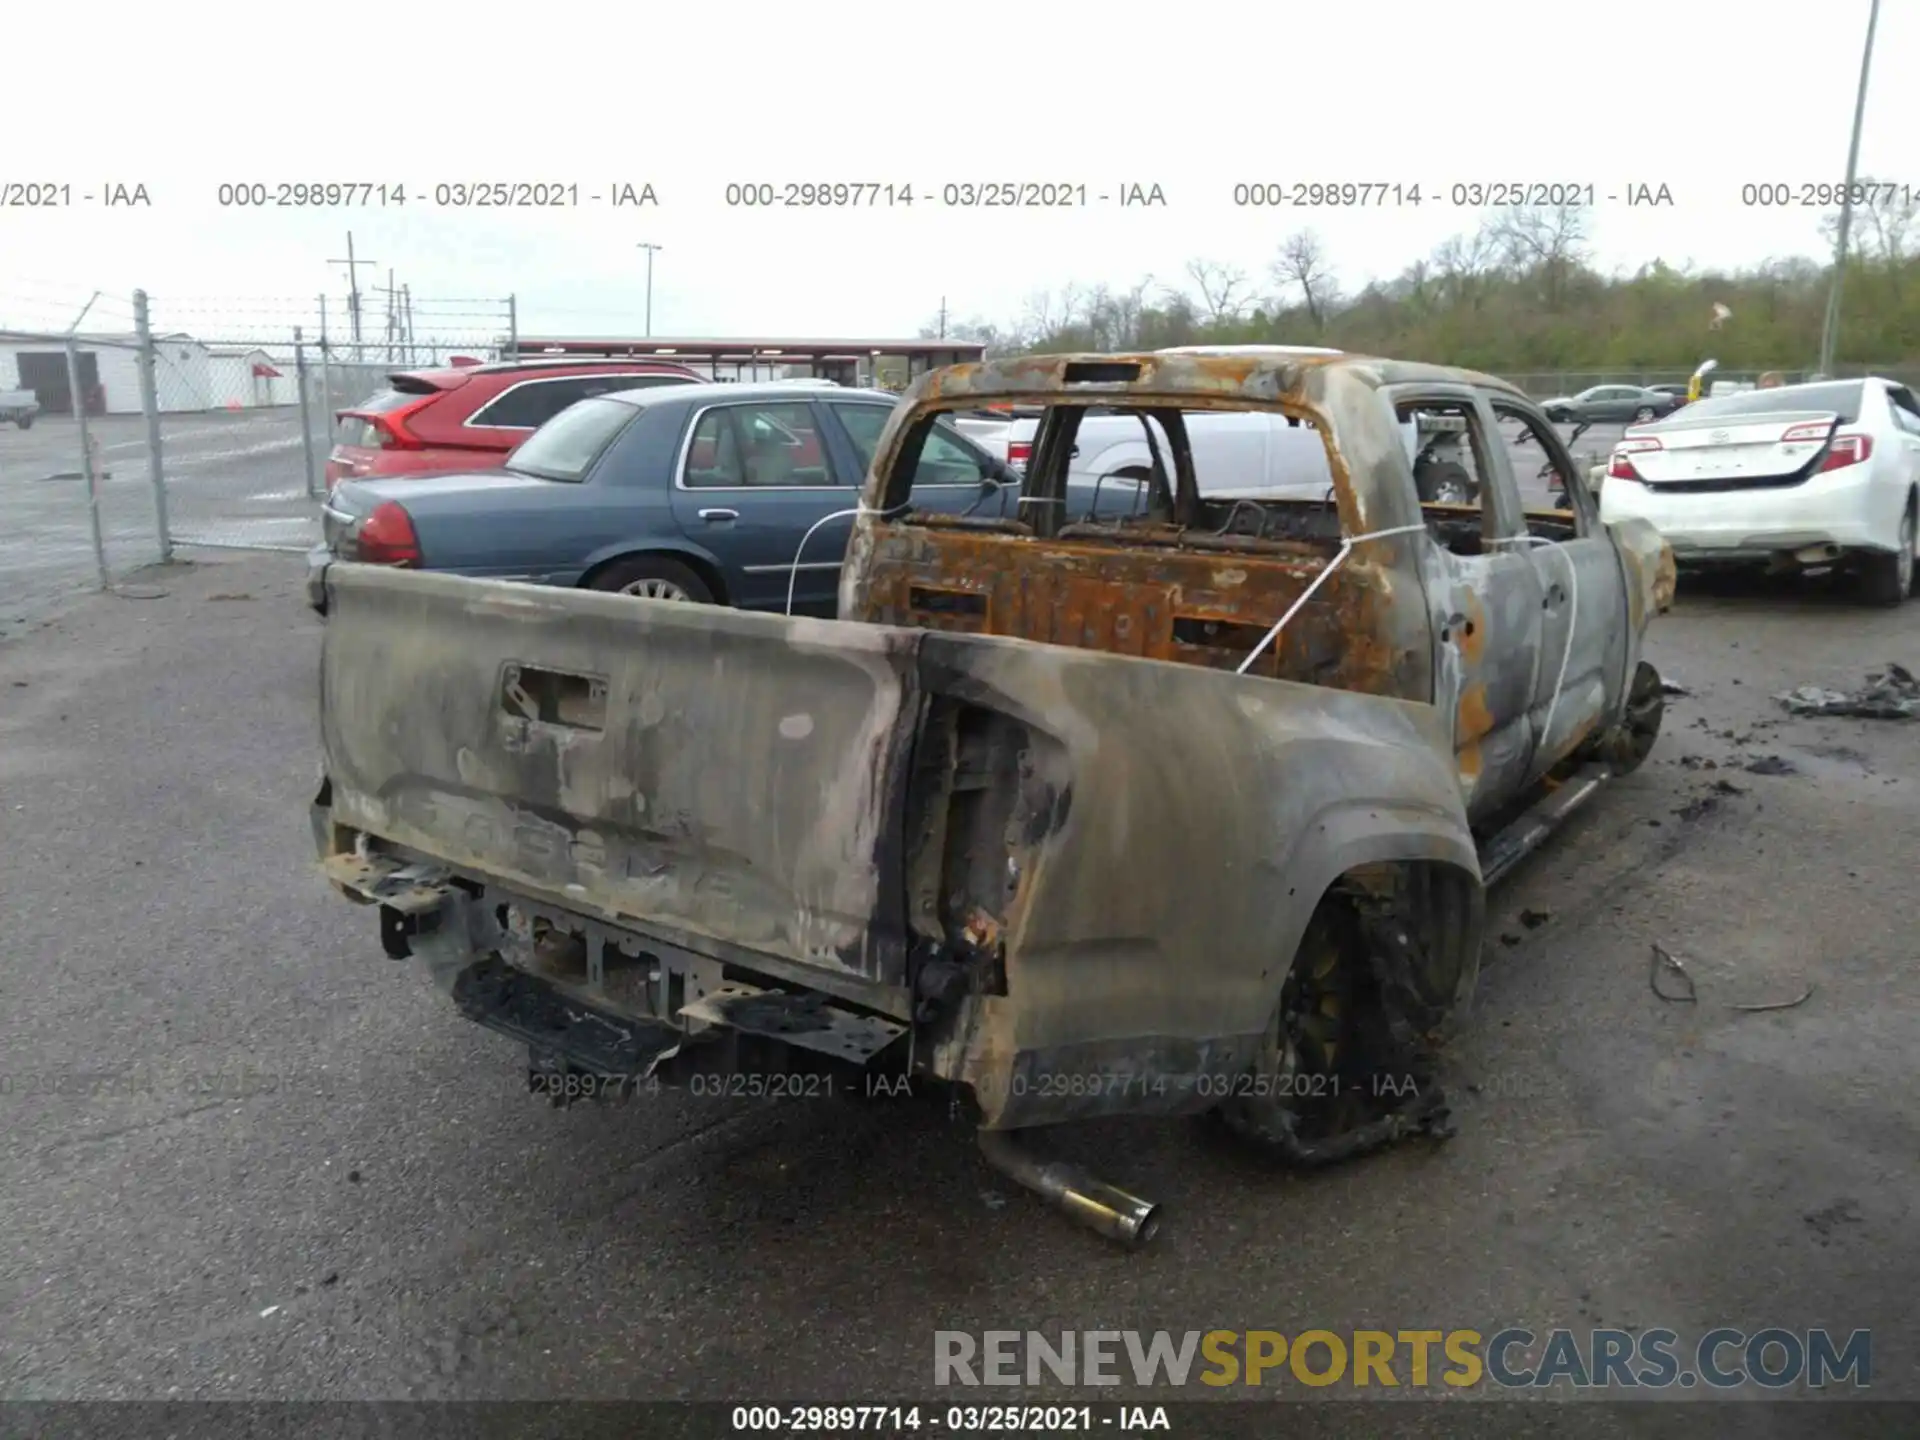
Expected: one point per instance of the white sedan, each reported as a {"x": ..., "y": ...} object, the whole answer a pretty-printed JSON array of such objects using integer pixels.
[{"x": 1797, "y": 476}]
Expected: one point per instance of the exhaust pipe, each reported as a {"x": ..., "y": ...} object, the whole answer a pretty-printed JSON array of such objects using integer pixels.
[{"x": 1094, "y": 1203}]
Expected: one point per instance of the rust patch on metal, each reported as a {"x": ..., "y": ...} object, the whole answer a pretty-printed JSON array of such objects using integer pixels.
[
  {"x": 1473, "y": 720},
  {"x": 1666, "y": 580},
  {"x": 1152, "y": 592}
]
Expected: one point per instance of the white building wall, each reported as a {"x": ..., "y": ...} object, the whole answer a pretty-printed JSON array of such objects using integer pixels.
[
  {"x": 119, "y": 370},
  {"x": 119, "y": 377},
  {"x": 187, "y": 376}
]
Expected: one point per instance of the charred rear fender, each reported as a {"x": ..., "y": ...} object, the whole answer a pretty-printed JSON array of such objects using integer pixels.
[
  {"x": 1196, "y": 818},
  {"x": 1650, "y": 578}
]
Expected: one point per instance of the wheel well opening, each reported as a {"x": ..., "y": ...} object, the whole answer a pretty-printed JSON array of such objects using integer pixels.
[
  {"x": 1419, "y": 926},
  {"x": 1349, "y": 1060},
  {"x": 709, "y": 574}
]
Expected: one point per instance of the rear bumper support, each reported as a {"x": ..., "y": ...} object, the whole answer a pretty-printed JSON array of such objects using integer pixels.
[{"x": 559, "y": 1030}]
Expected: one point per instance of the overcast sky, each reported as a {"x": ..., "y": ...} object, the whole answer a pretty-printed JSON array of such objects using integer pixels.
[{"x": 1701, "y": 97}]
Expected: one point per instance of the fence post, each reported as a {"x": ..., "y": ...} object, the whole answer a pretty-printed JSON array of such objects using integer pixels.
[
  {"x": 326, "y": 369},
  {"x": 306, "y": 410},
  {"x": 150, "y": 406},
  {"x": 513, "y": 328},
  {"x": 86, "y": 460}
]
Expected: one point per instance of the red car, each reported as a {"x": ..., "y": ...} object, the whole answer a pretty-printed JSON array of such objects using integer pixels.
[{"x": 434, "y": 421}]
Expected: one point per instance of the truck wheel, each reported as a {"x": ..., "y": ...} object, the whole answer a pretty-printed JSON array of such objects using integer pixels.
[
  {"x": 1886, "y": 576},
  {"x": 653, "y": 577},
  {"x": 1627, "y": 746},
  {"x": 1447, "y": 483},
  {"x": 1338, "y": 1075},
  {"x": 25, "y": 422}
]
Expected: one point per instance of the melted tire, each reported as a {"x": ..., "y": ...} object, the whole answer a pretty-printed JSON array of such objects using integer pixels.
[{"x": 1318, "y": 1097}]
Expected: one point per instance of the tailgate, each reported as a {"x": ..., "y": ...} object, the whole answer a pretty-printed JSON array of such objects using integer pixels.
[{"x": 727, "y": 774}]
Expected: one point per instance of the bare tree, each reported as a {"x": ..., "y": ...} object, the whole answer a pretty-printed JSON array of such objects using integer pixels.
[
  {"x": 1465, "y": 263},
  {"x": 1885, "y": 230},
  {"x": 1224, "y": 289},
  {"x": 1547, "y": 240},
  {"x": 1886, "y": 221},
  {"x": 1302, "y": 265}
]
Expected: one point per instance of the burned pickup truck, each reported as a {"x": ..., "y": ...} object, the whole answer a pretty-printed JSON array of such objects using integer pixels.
[{"x": 1183, "y": 806}]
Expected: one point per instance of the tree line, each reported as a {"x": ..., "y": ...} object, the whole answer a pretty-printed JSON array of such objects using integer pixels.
[{"x": 1517, "y": 293}]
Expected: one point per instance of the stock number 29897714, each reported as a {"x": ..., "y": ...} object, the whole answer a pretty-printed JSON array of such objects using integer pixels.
[{"x": 305, "y": 194}]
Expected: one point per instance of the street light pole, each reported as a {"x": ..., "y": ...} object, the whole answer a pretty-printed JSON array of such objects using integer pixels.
[
  {"x": 1830, "y": 332},
  {"x": 650, "y": 248}
]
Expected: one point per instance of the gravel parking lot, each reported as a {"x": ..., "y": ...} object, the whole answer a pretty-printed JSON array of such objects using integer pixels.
[{"x": 287, "y": 1170}]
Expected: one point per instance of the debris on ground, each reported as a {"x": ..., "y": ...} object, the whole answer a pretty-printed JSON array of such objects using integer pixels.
[
  {"x": 1509, "y": 939},
  {"x": 1698, "y": 806},
  {"x": 1825, "y": 1221},
  {"x": 1698, "y": 762},
  {"x": 1800, "y": 999},
  {"x": 1770, "y": 765},
  {"x": 1665, "y": 964},
  {"x": 1534, "y": 919},
  {"x": 1890, "y": 694},
  {"x": 1667, "y": 687},
  {"x": 1664, "y": 967},
  {"x": 1727, "y": 787}
]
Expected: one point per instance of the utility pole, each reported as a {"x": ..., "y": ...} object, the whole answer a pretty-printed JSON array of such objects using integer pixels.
[
  {"x": 943, "y": 317},
  {"x": 1830, "y": 332},
  {"x": 650, "y": 248},
  {"x": 393, "y": 316},
  {"x": 406, "y": 309},
  {"x": 353, "y": 287}
]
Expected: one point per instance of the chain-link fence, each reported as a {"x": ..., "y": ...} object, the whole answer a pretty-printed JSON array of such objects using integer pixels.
[
  {"x": 145, "y": 427},
  {"x": 247, "y": 395},
  {"x": 140, "y": 427}
]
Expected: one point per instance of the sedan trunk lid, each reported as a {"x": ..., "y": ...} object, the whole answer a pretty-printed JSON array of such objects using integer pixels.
[{"x": 1729, "y": 451}]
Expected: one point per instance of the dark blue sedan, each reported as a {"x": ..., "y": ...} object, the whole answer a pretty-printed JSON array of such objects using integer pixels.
[{"x": 680, "y": 492}]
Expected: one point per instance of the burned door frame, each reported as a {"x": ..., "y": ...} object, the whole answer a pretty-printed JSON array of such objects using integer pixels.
[
  {"x": 1484, "y": 614},
  {"x": 1587, "y": 604}
]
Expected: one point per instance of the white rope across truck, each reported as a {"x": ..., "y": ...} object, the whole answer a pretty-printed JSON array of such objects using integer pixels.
[
  {"x": 1339, "y": 558},
  {"x": 793, "y": 570}
]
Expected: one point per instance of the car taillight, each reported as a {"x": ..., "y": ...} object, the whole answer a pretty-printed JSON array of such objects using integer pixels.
[
  {"x": 1816, "y": 431},
  {"x": 386, "y": 537},
  {"x": 1847, "y": 450},
  {"x": 389, "y": 427},
  {"x": 1620, "y": 466},
  {"x": 1019, "y": 452}
]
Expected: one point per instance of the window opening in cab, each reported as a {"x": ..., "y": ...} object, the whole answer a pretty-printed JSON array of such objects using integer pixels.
[
  {"x": 1555, "y": 496},
  {"x": 1452, "y": 473},
  {"x": 941, "y": 473},
  {"x": 1139, "y": 472}
]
